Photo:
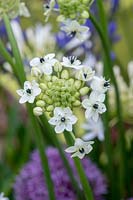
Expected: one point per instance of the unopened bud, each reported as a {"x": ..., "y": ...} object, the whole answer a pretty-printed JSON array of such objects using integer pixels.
[
  {"x": 35, "y": 72},
  {"x": 85, "y": 14},
  {"x": 65, "y": 74},
  {"x": 43, "y": 86},
  {"x": 37, "y": 111},
  {"x": 50, "y": 108},
  {"x": 77, "y": 103},
  {"x": 57, "y": 67},
  {"x": 83, "y": 91},
  {"x": 40, "y": 103},
  {"x": 77, "y": 84}
]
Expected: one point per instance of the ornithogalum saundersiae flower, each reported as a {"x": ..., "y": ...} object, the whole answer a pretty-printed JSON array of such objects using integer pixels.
[
  {"x": 30, "y": 183},
  {"x": 60, "y": 86}
]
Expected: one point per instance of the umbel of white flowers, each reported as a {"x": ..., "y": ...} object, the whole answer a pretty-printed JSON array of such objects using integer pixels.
[{"x": 57, "y": 87}]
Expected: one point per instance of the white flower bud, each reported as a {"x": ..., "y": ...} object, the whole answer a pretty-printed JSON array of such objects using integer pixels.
[
  {"x": 83, "y": 91},
  {"x": 37, "y": 111},
  {"x": 35, "y": 72}
]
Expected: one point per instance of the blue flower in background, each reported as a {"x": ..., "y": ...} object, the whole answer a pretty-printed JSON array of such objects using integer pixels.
[
  {"x": 112, "y": 30},
  {"x": 114, "y": 5}
]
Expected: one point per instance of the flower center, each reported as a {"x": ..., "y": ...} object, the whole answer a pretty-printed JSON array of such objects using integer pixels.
[
  {"x": 72, "y": 59},
  {"x": 63, "y": 119},
  {"x": 85, "y": 75},
  {"x": 73, "y": 33},
  {"x": 47, "y": 6},
  {"x": 28, "y": 91},
  {"x": 42, "y": 60},
  {"x": 81, "y": 150},
  {"x": 106, "y": 84},
  {"x": 95, "y": 106}
]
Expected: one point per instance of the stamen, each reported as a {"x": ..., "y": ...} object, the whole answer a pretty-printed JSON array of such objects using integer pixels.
[
  {"x": 63, "y": 119},
  {"x": 28, "y": 91},
  {"x": 81, "y": 150},
  {"x": 85, "y": 75},
  {"x": 107, "y": 84},
  {"x": 73, "y": 33},
  {"x": 95, "y": 106},
  {"x": 72, "y": 59},
  {"x": 42, "y": 60}
]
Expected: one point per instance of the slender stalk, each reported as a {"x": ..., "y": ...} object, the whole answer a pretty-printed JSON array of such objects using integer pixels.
[
  {"x": 106, "y": 47},
  {"x": 84, "y": 181},
  {"x": 19, "y": 69},
  {"x": 44, "y": 159},
  {"x": 56, "y": 142}
]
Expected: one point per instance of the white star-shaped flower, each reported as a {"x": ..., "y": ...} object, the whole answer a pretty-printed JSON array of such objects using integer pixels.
[
  {"x": 93, "y": 130},
  {"x": 30, "y": 91},
  {"x": 74, "y": 29},
  {"x": 85, "y": 74},
  {"x": 23, "y": 10},
  {"x": 100, "y": 84},
  {"x": 71, "y": 62},
  {"x": 48, "y": 8},
  {"x": 80, "y": 148},
  {"x": 2, "y": 197},
  {"x": 94, "y": 106},
  {"x": 44, "y": 64},
  {"x": 63, "y": 119}
]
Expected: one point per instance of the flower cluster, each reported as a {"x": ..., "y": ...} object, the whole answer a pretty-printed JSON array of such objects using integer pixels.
[
  {"x": 13, "y": 8},
  {"x": 74, "y": 9},
  {"x": 30, "y": 184},
  {"x": 57, "y": 87}
]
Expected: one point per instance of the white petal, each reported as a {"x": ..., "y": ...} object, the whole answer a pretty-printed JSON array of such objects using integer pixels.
[
  {"x": 58, "y": 111},
  {"x": 86, "y": 103},
  {"x": 24, "y": 99},
  {"x": 89, "y": 113},
  {"x": 20, "y": 92},
  {"x": 95, "y": 116},
  {"x": 53, "y": 121},
  {"x": 102, "y": 108},
  {"x": 68, "y": 127},
  {"x": 73, "y": 119},
  {"x": 31, "y": 99},
  {"x": 27, "y": 85},
  {"x": 47, "y": 69},
  {"x": 78, "y": 154},
  {"x": 49, "y": 56},
  {"x": 70, "y": 149},
  {"x": 101, "y": 97},
  {"x": 35, "y": 62},
  {"x": 36, "y": 91},
  {"x": 88, "y": 149},
  {"x": 89, "y": 136},
  {"x": 60, "y": 128}
]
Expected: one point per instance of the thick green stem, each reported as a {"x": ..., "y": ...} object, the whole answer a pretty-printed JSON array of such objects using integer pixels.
[
  {"x": 54, "y": 139},
  {"x": 106, "y": 47},
  {"x": 84, "y": 181},
  {"x": 41, "y": 148},
  {"x": 19, "y": 69}
]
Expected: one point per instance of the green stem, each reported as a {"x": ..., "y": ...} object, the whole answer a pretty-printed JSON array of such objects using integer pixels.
[
  {"x": 84, "y": 181},
  {"x": 19, "y": 69},
  {"x": 43, "y": 156},
  {"x": 121, "y": 141},
  {"x": 56, "y": 142}
]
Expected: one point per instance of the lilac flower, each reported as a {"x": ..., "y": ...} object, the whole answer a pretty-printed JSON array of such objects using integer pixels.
[
  {"x": 30, "y": 182},
  {"x": 114, "y": 5},
  {"x": 112, "y": 29}
]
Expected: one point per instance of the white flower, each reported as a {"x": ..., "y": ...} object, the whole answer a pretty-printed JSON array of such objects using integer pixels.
[
  {"x": 2, "y": 197},
  {"x": 48, "y": 8},
  {"x": 85, "y": 74},
  {"x": 74, "y": 29},
  {"x": 100, "y": 84},
  {"x": 71, "y": 62},
  {"x": 80, "y": 148},
  {"x": 23, "y": 10},
  {"x": 44, "y": 64},
  {"x": 93, "y": 130},
  {"x": 94, "y": 106},
  {"x": 63, "y": 119},
  {"x": 30, "y": 91}
]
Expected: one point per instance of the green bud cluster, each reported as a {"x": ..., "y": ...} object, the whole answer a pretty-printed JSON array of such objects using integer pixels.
[
  {"x": 60, "y": 91},
  {"x": 74, "y": 9},
  {"x": 10, "y": 7}
]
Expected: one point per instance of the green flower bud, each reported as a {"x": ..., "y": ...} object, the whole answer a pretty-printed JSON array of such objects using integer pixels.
[
  {"x": 50, "y": 84},
  {"x": 65, "y": 74},
  {"x": 54, "y": 78},
  {"x": 37, "y": 111},
  {"x": 50, "y": 108},
  {"x": 83, "y": 91},
  {"x": 77, "y": 103},
  {"x": 77, "y": 84},
  {"x": 76, "y": 94},
  {"x": 47, "y": 99},
  {"x": 71, "y": 81},
  {"x": 40, "y": 103},
  {"x": 35, "y": 72},
  {"x": 57, "y": 67},
  {"x": 48, "y": 78},
  {"x": 43, "y": 86},
  {"x": 85, "y": 14}
]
